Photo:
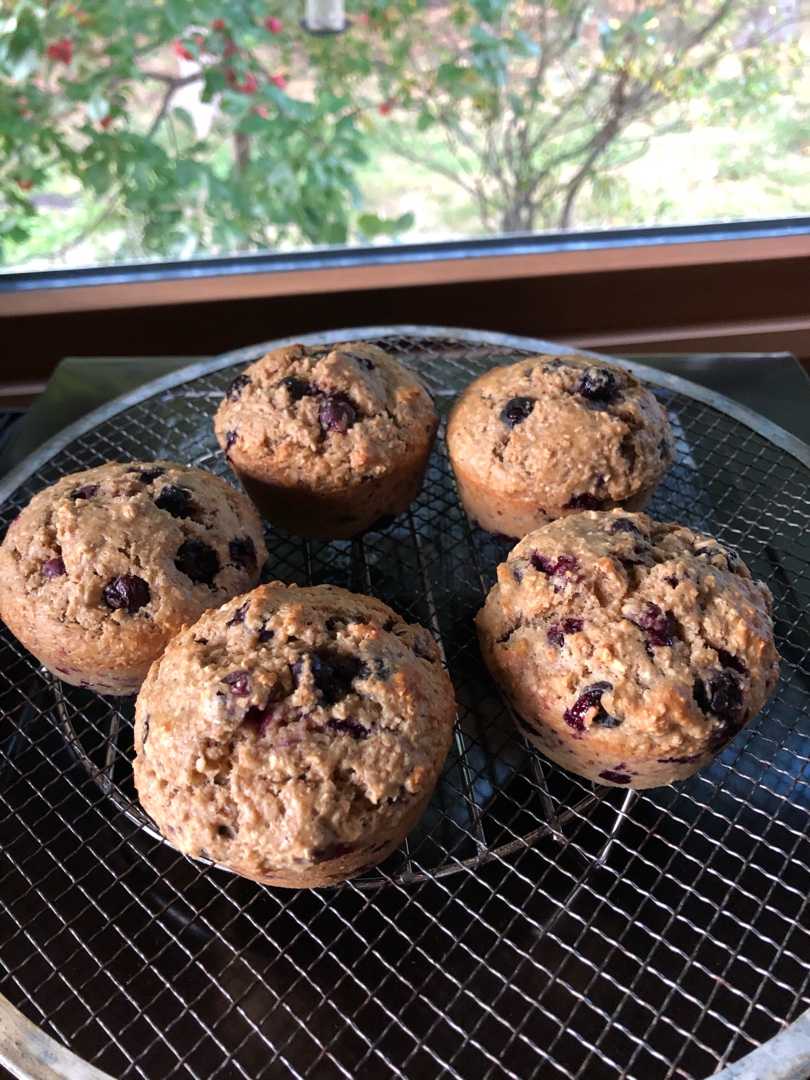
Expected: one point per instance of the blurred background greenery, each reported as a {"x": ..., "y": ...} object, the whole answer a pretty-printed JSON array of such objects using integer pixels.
[{"x": 137, "y": 129}]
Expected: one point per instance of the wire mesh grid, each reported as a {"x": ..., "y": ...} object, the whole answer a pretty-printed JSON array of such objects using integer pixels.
[{"x": 532, "y": 924}]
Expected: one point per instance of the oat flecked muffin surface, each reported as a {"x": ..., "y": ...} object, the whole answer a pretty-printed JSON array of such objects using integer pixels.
[
  {"x": 328, "y": 440},
  {"x": 549, "y": 436},
  {"x": 632, "y": 651},
  {"x": 99, "y": 570},
  {"x": 294, "y": 735}
]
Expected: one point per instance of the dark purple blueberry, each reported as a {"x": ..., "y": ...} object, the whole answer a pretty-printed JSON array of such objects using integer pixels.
[
  {"x": 554, "y": 365},
  {"x": 671, "y": 581},
  {"x": 714, "y": 550},
  {"x": 598, "y": 384},
  {"x": 615, "y": 777},
  {"x": 148, "y": 476},
  {"x": 261, "y": 717},
  {"x": 86, "y": 491},
  {"x": 604, "y": 719},
  {"x": 660, "y": 626},
  {"x": 266, "y": 634},
  {"x": 517, "y": 573},
  {"x": 52, "y": 568},
  {"x": 348, "y": 727},
  {"x": 516, "y": 410},
  {"x": 239, "y": 682},
  {"x": 625, "y": 525},
  {"x": 332, "y": 851},
  {"x": 363, "y": 361},
  {"x": 733, "y": 662},
  {"x": 238, "y": 616},
  {"x": 542, "y": 563},
  {"x": 555, "y": 569},
  {"x": 198, "y": 561},
  {"x": 298, "y": 388},
  {"x": 126, "y": 592},
  {"x": 590, "y": 698},
  {"x": 556, "y": 632},
  {"x": 585, "y": 501},
  {"x": 680, "y": 760},
  {"x": 230, "y": 439},
  {"x": 242, "y": 551},
  {"x": 237, "y": 386},
  {"x": 337, "y": 413},
  {"x": 720, "y": 694},
  {"x": 225, "y": 832},
  {"x": 333, "y": 674},
  {"x": 177, "y": 501},
  {"x": 200, "y": 640}
]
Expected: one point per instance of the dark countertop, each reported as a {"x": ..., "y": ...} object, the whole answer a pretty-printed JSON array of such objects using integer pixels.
[{"x": 773, "y": 384}]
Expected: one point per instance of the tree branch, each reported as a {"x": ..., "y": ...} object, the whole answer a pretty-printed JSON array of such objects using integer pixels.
[{"x": 175, "y": 81}]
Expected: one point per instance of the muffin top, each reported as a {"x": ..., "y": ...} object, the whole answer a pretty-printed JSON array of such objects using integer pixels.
[
  {"x": 287, "y": 726},
  {"x": 634, "y": 632},
  {"x": 324, "y": 416},
  {"x": 568, "y": 432},
  {"x": 123, "y": 555}
]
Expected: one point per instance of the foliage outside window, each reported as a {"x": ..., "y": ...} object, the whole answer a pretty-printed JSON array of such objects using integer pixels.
[{"x": 171, "y": 128}]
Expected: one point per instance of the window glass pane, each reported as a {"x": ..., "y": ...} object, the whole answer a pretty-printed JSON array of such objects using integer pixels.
[{"x": 135, "y": 130}]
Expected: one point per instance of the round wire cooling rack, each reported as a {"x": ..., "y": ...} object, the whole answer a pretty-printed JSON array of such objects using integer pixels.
[{"x": 532, "y": 925}]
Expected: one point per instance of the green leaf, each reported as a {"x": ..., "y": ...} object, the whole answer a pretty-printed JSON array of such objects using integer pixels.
[
  {"x": 213, "y": 83},
  {"x": 178, "y": 13},
  {"x": 372, "y": 225}
]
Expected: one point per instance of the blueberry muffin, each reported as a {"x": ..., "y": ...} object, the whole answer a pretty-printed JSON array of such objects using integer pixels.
[
  {"x": 328, "y": 440},
  {"x": 293, "y": 735},
  {"x": 550, "y": 436},
  {"x": 102, "y": 568},
  {"x": 632, "y": 651}
]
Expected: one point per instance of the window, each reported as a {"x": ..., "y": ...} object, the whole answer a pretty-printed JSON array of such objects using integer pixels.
[{"x": 144, "y": 131}]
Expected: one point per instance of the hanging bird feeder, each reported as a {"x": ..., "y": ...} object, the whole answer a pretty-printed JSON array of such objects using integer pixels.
[{"x": 325, "y": 17}]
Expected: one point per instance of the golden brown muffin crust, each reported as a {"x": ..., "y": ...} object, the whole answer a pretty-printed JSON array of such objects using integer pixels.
[
  {"x": 632, "y": 650},
  {"x": 294, "y": 735},
  {"x": 101, "y": 568}
]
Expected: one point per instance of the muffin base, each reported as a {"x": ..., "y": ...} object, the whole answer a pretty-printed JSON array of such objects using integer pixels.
[
  {"x": 73, "y": 665},
  {"x": 332, "y": 871},
  {"x": 512, "y": 516},
  {"x": 572, "y": 755},
  {"x": 340, "y": 514}
]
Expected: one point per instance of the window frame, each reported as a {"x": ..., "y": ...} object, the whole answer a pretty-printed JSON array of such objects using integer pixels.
[{"x": 157, "y": 283}]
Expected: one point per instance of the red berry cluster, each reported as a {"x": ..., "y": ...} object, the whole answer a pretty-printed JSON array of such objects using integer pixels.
[{"x": 60, "y": 51}]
